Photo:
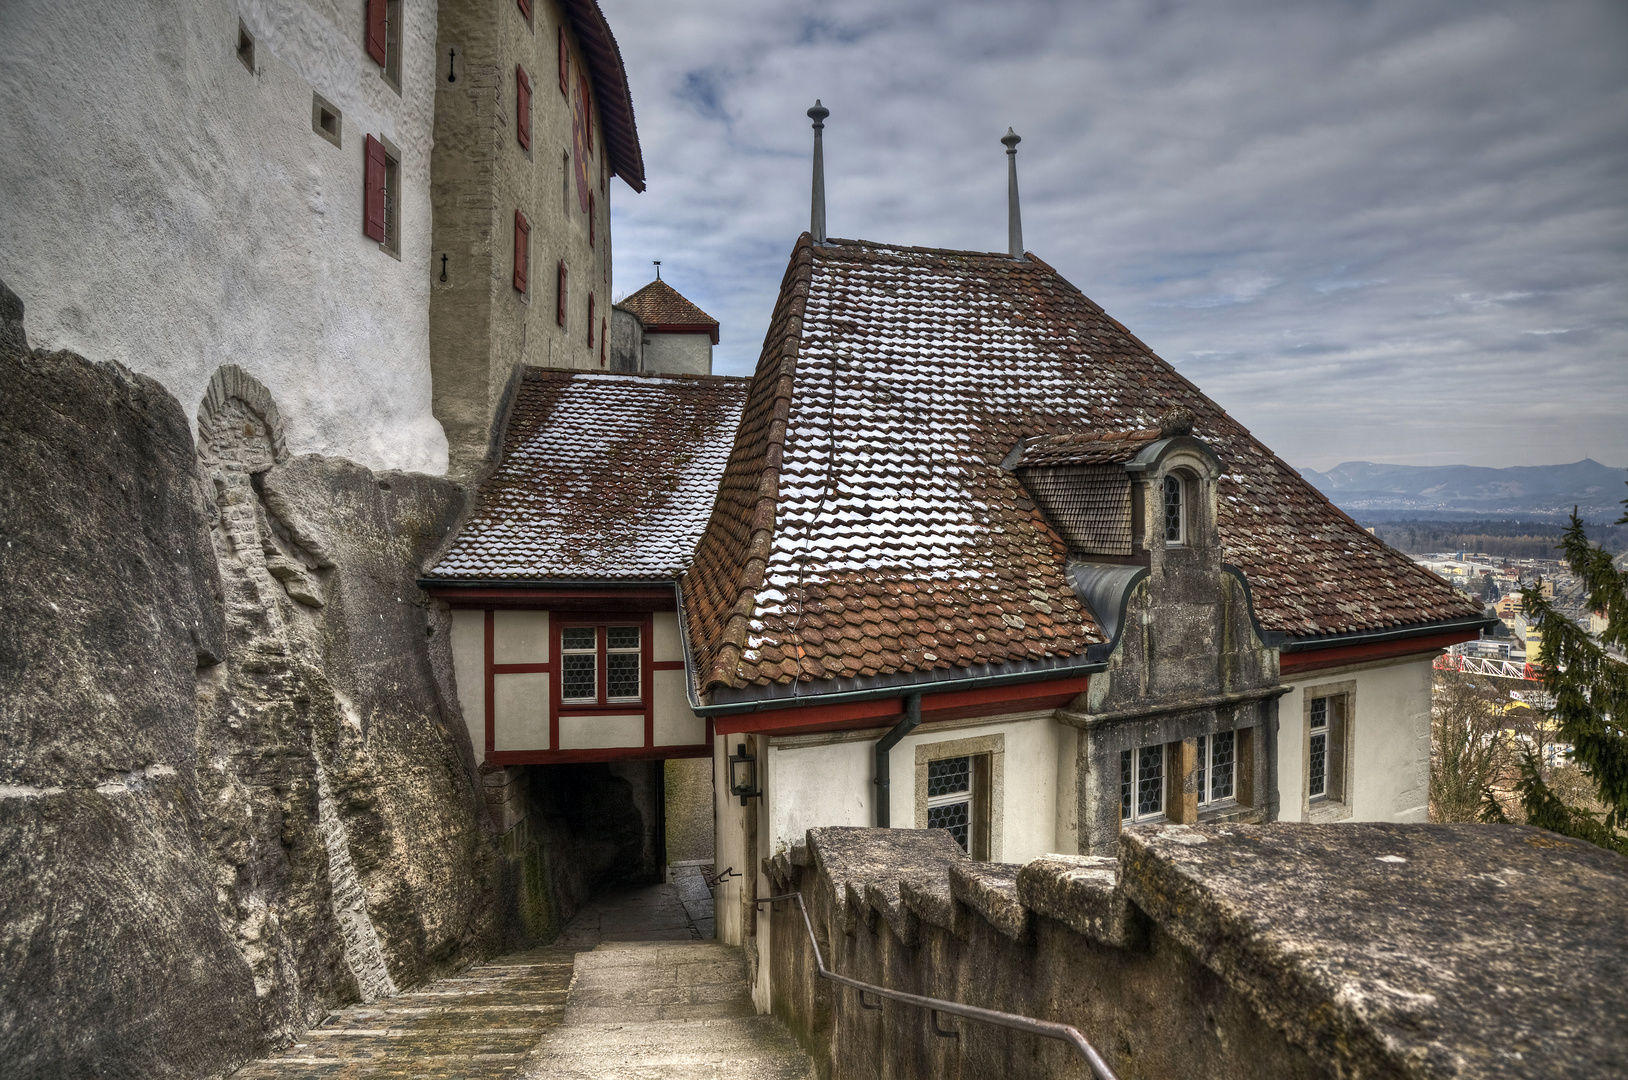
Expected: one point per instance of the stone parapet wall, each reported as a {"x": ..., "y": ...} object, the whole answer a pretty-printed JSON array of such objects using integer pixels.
[{"x": 1354, "y": 950}]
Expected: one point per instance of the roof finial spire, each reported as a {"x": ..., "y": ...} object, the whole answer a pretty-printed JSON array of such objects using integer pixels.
[
  {"x": 816, "y": 223},
  {"x": 1014, "y": 217},
  {"x": 658, "y": 268}
]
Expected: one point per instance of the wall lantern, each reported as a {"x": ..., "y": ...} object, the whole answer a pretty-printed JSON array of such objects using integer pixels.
[{"x": 743, "y": 774}]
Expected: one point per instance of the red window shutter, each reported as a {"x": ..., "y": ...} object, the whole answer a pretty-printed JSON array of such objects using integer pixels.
[
  {"x": 559, "y": 307},
  {"x": 525, "y": 8},
  {"x": 565, "y": 64},
  {"x": 373, "y": 189},
  {"x": 587, "y": 110},
  {"x": 522, "y": 106},
  {"x": 590, "y": 320},
  {"x": 375, "y": 30},
  {"x": 522, "y": 250},
  {"x": 591, "y": 217},
  {"x": 601, "y": 342}
]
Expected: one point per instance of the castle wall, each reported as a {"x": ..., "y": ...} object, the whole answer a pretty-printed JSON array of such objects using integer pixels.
[{"x": 166, "y": 208}]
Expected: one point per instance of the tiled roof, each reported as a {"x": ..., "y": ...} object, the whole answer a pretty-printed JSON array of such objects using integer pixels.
[
  {"x": 1085, "y": 448},
  {"x": 865, "y": 526},
  {"x": 602, "y": 477},
  {"x": 659, "y": 304}
]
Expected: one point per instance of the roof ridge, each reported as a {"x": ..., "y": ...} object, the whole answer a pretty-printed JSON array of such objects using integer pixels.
[
  {"x": 688, "y": 376},
  {"x": 1002, "y": 256}
]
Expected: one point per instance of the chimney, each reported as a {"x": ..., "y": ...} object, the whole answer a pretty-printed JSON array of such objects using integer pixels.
[
  {"x": 816, "y": 223},
  {"x": 1014, "y": 217}
]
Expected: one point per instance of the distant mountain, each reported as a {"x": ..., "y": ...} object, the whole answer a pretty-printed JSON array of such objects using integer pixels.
[{"x": 1376, "y": 492}]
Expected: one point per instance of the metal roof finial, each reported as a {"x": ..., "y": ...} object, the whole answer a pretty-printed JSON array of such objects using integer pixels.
[
  {"x": 816, "y": 223},
  {"x": 658, "y": 268},
  {"x": 1014, "y": 217}
]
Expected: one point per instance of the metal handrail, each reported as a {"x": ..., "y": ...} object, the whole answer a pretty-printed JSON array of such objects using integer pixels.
[{"x": 1044, "y": 1028}]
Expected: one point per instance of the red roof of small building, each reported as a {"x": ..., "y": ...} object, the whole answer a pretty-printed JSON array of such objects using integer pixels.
[
  {"x": 865, "y": 525},
  {"x": 603, "y": 477},
  {"x": 662, "y": 309}
]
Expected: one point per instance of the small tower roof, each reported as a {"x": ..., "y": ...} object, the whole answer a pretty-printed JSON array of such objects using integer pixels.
[{"x": 663, "y": 310}]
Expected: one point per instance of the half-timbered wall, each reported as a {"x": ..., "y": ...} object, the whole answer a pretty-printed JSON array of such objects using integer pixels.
[{"x": 511, "y": 672}]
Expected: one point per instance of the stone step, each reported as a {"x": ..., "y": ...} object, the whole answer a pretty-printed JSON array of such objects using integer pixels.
[
  {"x": 645, "y": 981},
  {"x": 742, "y": 1048}
]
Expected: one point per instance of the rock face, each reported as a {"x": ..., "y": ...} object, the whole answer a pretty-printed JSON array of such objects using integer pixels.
[{"x": 232, "y": 793}]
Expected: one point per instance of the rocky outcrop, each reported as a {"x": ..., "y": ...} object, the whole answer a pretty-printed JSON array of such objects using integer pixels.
[
  {"x": 1233, "y": 950},
  {"x": 234, "y": 791}
]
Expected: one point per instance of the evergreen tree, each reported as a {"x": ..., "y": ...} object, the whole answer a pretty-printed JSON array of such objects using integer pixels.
[{"x": 1590, "y": 691}]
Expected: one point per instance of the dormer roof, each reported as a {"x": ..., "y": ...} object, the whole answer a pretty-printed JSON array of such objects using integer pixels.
[{"x": 866, "y": 527}]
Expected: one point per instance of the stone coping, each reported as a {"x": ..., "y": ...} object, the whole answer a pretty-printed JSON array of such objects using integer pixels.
[{"x": 1414, "y": 950}]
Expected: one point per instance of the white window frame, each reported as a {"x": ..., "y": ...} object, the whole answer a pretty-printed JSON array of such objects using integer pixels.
[
  {"x": 636, "y": 650},
  {"x": 1204, "y": 765},
  {"x": 592, "y": 652},
  {"x": 1130, "y": 811},
  {"x": 951, "y": 798}
]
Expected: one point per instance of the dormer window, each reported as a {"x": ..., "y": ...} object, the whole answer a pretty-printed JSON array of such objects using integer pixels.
[{"x": 1175, "y": 511}]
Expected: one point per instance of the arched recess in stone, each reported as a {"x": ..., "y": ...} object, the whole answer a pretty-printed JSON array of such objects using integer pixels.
[{"x": 239, "y": 422}]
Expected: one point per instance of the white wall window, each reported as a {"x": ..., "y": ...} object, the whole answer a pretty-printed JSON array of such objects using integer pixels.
[
  {"x": 949, "y": 797},
  {"x": 1141, "y": 783},
  {"x": 579, "y": 664},
  {"x": 1216, "y": 765},
  {"x": 1327, "y": 746},
  {"x": 622, "y": 663},
  {"x": 1175, "y": 511}
]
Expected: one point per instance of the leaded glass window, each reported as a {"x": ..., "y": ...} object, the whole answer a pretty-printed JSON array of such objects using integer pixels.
[
  {"x": 1175, "y": 531},
  {"x": 579, "y": 664},
  {"x": 949, "y": 798},
  {"x": 622, "y": 663},
  {"x": 1150, "y": 781},
  {"x": 1317, "y": 769},
  {"x": 1221, "y": 765},
  {"x": 1127, "y": 783}
]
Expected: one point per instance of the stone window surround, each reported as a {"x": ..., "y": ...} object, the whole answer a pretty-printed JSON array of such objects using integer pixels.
[
  {"x": 1328, "y": 809},
  {"x": 993, "y": 745},
  {"x": 320, "y": 105},
  {"x": 391, "y": 244}
]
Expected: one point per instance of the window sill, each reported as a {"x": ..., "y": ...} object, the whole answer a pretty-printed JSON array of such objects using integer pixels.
[
  {"x": 394, "y": 253},
  {"x": 1326, "y": 810}
]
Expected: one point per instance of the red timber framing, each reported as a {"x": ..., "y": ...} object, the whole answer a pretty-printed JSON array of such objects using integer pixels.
[
  {"x": 560, "y": 618},
  {"x": 878, "y": 712},
  {"x": 1291, "y": 664}
]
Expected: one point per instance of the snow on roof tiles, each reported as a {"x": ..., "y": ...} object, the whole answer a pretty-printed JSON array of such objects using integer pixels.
[
  {"x": 603, "y": 476},
  {"x": 864, "y": 525}
]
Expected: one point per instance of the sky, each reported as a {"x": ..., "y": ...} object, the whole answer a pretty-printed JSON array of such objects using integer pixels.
[{"x": 1392, "y": 231}]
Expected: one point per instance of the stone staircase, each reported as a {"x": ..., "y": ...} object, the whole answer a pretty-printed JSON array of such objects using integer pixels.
[{"x": 648, "y": 1009}]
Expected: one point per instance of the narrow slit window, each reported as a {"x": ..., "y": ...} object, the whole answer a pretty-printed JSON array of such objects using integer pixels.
[
  {"x": 1175, "y": 517},
  {"x": 579, "y": 664},
  {"x": 245, "y": 46},
  {"x": 949, "y": 798},
  {"x": 559, "y": 308},
  {"x": 327, "y": 120},
  {"x": 522, "y": 107},
  {"x": 1127, "y": 782},
  {"x": 622, "y": 674}
]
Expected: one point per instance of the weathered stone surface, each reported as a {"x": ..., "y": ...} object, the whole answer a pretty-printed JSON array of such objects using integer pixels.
[
  {"x": 990, "y": 889},
  {"x": 1082, "y": 892},
  {"x": 1430, "y": 950},
  {"x": 846, "y": 854},
  {"x": 223, "y": 809},
  {"x": 108, "y": 608},
  {"x": 1229, "y": 951}
]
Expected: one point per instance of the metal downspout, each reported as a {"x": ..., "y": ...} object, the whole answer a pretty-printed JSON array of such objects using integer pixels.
[{"x": 912, "y": 718}]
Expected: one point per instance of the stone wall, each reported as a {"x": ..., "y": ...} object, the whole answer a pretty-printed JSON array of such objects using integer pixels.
[
  {"x": 1350, "y": 951},
  {"x": 235, "y": 789}
]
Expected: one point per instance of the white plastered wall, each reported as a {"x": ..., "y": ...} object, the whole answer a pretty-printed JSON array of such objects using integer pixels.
[
  {"x": 688, "y": 354},
  {"x": 469, "y": 670},
  {"x": 1389, "y": 771},
  {"x": 163, "y": 207}
]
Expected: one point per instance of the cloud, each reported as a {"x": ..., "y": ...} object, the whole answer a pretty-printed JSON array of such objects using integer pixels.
[{"x": 1393, "y": 230}]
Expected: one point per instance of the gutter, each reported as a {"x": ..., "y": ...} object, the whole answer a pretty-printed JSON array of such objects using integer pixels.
[
  {"x": 1367, "y": 637},
  {"x": 884, "y": 745},
  {"x": 544, "y": 584},
  {"x": 910, "y": 686}
]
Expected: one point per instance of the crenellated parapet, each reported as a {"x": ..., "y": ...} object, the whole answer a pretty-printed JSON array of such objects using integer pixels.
[{"x": 1354, "y": 950}]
